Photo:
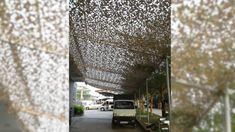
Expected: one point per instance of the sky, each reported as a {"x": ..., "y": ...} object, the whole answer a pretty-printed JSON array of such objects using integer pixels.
[{"x": 91, "y": 88}]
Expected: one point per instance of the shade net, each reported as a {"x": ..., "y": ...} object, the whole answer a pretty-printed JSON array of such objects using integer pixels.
[{"x": 108, "y": 38}]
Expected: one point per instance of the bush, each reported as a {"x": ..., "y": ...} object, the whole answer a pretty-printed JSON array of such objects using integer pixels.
[{"x": 78, "y": 110}]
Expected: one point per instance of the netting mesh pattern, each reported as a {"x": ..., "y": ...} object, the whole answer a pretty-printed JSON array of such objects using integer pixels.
[
  {"x": 34, "y": 63},
  {"x": 112, "y": 36}
]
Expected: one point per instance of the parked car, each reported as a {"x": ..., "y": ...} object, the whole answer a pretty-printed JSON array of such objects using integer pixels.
[{"x": 107, "y": 105}]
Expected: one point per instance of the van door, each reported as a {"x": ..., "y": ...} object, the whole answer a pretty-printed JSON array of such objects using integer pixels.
[{"x": 106, "y": 105}]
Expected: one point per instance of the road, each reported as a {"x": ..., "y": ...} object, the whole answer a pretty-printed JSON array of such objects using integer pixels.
[{"x": 98, "y": 121}]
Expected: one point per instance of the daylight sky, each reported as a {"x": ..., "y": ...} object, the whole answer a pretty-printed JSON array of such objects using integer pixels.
[{"x": 92, "y": 89}]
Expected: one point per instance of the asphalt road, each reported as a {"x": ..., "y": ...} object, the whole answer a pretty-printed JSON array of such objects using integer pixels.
[{"x": 98, "y": 121}]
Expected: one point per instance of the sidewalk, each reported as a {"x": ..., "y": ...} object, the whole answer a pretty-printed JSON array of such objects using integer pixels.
[{"x": 156, "y": 111}]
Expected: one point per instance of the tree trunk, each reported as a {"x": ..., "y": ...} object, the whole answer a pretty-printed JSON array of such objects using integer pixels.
[
  {"x": 151, "y": 104},
  {"x": 163, "y": 109},
  {"x": 141, "y": 105},
  {"x": 162, "y": 102}
]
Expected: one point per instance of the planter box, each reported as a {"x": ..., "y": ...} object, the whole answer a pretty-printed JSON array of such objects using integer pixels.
[{"x": 143, "y": 126}]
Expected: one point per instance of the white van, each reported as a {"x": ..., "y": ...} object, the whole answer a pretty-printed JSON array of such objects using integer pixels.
[
  {"x": 107, "y": 105},
  {"x": 124, "y": 110}
]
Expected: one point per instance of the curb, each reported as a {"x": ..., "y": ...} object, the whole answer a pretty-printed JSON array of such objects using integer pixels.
[{"x": 143, "y": 126}]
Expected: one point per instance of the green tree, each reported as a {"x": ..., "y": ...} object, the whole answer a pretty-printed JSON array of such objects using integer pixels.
[{"x": 85, "y": 92}]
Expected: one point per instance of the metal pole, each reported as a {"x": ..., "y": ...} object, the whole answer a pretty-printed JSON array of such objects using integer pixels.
[
  {"x": 168, "y": 89},
  {"x": 168, "y": 81},
  {"x": 139, "y": 104},
  {"x": 147, "y": 99},
  {"x": 227, "y": 112}
]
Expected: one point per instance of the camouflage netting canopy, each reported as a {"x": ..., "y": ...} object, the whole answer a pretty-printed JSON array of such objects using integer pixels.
[
  {"x": 108, "y": 38},
  {"x": 203, "y": 63},
  {"x": 34, "y": 63}
]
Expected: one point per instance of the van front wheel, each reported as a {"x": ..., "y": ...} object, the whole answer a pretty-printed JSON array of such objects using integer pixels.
[{"x": 113, "y": 125}]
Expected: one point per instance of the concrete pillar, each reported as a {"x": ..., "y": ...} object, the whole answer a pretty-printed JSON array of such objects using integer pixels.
[{"x": 72, "y": 95}]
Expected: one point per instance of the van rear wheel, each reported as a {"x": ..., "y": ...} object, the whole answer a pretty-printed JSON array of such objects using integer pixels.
[{"x": 134, "y": 125}]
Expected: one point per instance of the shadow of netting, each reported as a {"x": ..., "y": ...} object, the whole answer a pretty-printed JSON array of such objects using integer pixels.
[
  {"x": 18, "y": 87},
  {"x": 14, "y": 89},
  {"x": 33, "y": 66}
]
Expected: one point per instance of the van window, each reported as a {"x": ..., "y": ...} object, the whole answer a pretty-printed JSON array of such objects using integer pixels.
[
  {"x": 124, "y": 105},
  {"x": 105, "y": 103}
]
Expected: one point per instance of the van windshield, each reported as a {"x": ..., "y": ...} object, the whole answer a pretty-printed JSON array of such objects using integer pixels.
[{"x": 124, "y": 105}]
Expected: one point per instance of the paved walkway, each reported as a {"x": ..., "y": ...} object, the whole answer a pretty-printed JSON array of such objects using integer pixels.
[
  {"x": 98, "y": 121},
  {"x": 156, "y": 111}
]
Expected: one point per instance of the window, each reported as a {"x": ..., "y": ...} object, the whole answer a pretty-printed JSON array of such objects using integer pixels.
[{"x": 124, "y": 105}]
